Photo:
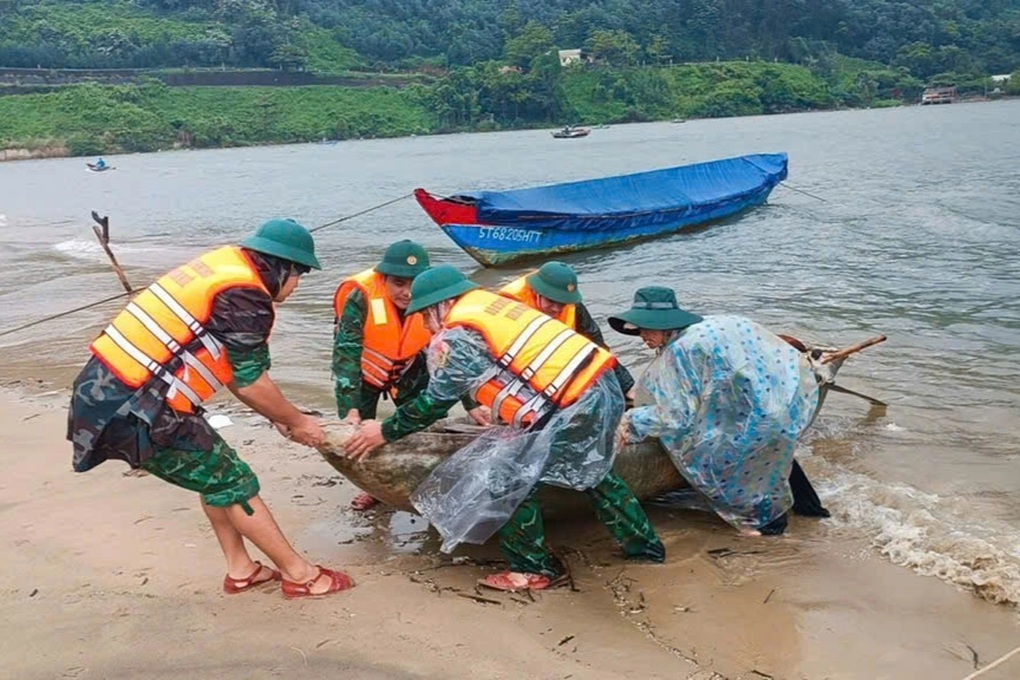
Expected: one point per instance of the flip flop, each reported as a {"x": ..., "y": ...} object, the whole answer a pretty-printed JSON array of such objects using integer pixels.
[
  {"x": 364, "y": 501},
  {"x": 512, "y": 581},
  {"x": 337, "y": 581},
  {"x": 233, "y": 586}
]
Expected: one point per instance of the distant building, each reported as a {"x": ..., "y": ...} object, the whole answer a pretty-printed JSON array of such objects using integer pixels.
[
  {"x": 568, "y": 57},
  {"x": 510, "y": 69},
  {"x": 1001, "y": 80},
  {"x": 939, "y": 95}
]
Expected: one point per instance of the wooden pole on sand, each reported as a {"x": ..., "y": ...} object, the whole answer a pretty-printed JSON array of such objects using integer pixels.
[{"x": 104, "y": 240}]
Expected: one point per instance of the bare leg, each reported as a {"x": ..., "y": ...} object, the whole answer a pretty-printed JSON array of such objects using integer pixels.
[
  {"x": 261, "y": 529},
  {"x": 239, "y": 562}
]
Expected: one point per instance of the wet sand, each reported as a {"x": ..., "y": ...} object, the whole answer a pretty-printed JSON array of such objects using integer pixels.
[{"x": 110, "y": 576}]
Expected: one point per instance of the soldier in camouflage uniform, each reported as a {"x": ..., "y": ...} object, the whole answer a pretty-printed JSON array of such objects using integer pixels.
[
  {"x": 378, "y": 350},
  {"x": 230, "y": 296}
]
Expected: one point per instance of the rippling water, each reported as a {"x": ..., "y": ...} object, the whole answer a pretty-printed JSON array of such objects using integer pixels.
[{"x": 918, "y": 237}]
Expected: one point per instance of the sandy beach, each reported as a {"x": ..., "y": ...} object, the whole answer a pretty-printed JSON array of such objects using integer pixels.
[{"x": 115, "y": 576}]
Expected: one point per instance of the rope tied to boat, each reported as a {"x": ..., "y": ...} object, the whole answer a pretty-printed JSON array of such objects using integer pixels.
[
  {"x": 801, "y": 191},
  {"x": 363, "y": 212},
  {"x": 105, "y": 237}
]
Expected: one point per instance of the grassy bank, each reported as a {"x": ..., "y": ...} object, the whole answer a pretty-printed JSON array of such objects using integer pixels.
[{"x": 91, "y": 119}]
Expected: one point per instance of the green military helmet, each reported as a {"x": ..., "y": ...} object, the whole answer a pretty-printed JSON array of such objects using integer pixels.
[
  {"x": 438, "y": 284},
  {"x": 405, "y": 259},
  {"x": 556, "y": 281},
  {"x": 285, "y": 239},
  {"x": 654, "y": 308}
]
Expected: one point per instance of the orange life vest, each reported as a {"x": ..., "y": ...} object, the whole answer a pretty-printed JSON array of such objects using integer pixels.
[
  {"x": 520, "y": 290},
  {"x": 533, "y": 350},
  {"x": 166, "y": 322},
  {"x": 389, "y": 344}
]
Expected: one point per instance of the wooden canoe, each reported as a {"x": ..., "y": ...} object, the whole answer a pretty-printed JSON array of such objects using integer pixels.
[{"x": 393, "y": 472}]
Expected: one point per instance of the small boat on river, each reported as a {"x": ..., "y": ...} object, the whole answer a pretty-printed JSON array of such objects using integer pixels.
[
  {"x": 571, "y": 132},
  {"x": 499, "y": 227},
  {"x": 93, "y": 167}
]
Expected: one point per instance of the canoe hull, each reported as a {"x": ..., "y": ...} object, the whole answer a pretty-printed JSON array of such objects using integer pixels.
[
  {"x": 493, "y": 246},
  {"x": 395, "y": 471},
  {"x": 499, "y": 227}
]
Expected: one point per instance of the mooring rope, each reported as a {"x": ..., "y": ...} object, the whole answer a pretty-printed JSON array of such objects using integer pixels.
[
  {"x": 363, "y": 212},
  {"x": 1002, "y": 659},
  {"x": 121, "y": 295},
  {"x": 801, "y": 191},
  {"x": 65, "y": 313}
]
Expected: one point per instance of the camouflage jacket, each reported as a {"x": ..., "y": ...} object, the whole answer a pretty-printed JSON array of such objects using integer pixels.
[{"x": 110, "y": 420}]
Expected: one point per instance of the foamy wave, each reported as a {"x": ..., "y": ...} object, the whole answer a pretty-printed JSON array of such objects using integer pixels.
[
  {"x": 931, "y": 535},
  {"x": 91, "y": 250}
]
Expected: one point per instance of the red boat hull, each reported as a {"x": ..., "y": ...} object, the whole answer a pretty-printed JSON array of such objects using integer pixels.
[{"x": 446, "y": 211}]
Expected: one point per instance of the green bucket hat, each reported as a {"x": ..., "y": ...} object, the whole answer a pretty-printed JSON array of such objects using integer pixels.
[
  {"x": 285, "y": 239},
  {"x": 438, "y": 284},
  {"x": 555, "y": 281},
  {"x": 654, "y": 308},
  {"x": 405, "y": 259}
]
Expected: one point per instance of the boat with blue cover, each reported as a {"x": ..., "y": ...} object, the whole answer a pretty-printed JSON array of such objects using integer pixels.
[{"x": 498, "y": 227}]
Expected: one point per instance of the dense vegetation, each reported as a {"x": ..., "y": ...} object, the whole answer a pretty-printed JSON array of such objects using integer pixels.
[
  {"x": 925, "y": 36},
  {"x": 487, "y": 64}
]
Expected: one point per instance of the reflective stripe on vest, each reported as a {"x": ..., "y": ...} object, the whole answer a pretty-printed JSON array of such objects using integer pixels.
[
  {"x": 519, "y": 290},
  {"x": 161, "y": 333},
  {"x": 542, "y": 364},
  {"x": 389, "y": 344}
]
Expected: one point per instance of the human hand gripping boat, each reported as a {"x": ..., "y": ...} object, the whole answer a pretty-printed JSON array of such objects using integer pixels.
[
  {"x": 499, "y": 227},
  {"x": 393, "y": 472}
]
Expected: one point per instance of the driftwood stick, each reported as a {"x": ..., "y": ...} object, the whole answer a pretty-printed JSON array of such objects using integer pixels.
[
  {"x": 852, "y": 349},
  {"x": 103, "y": 237}
]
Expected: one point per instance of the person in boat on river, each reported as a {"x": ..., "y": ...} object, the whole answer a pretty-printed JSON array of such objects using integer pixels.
[
  {"x": 727, "y": 399},
  {"x": 561, "y": 401},
  {"x": 139, "y": 397},
  {"x": 100, "y": 164},
  {"x": 378, "y": 348},
  {"x": 552, "y": 289}
]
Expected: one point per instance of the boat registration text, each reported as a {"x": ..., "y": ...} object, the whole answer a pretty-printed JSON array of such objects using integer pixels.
[{"x": 509, "y": 234}]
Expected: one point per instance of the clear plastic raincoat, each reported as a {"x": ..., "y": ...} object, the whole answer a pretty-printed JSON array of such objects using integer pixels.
[
  {"x": 474, "y": 492},
  {"x": 728, "y": 399}
]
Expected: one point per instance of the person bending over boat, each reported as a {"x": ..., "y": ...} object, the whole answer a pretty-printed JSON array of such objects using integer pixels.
[
  {"x": 552, "y": 289},
  {"x": 561, "y": 401},
  {"x": 727, "y": 400},
  {"x": 100, "y": 164},
  {"x": 378, "y": 348},
  {"x": 139, "y": 398}
]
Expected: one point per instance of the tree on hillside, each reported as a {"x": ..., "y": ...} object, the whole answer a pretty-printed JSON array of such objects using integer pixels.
[
  {"x": 533, "y": 41},
  {"x": 616, "y": 48},
  {"x": 289, "y": 57},
  {"x": 658, "y": 49}
]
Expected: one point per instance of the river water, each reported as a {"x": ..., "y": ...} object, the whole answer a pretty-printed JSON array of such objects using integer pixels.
[{"x": 913, "y": 230}]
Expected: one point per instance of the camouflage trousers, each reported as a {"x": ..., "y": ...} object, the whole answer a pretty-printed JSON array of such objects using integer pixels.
[
  {"x": 522, "y": 538},
  {"x": 217, "y": 473}
]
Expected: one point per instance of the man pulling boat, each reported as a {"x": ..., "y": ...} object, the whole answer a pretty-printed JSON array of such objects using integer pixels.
[
  {"x": 203, "y": 326},
  {"x": 377, "y": 345},
  {"x": 727, "y": 399},
  {"x": 552, "y": 289},
  {"x": 556, "y": 391}
]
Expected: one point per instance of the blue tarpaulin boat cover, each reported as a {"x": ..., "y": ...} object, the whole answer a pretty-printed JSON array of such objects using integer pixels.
[{"x": 671, "y": 189}]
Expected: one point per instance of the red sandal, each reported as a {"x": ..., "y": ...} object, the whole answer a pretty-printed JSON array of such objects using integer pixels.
[
  {"x": 233, "y": 586},
  {"x": 364, "y": 501},
  {"x": 337, "y": 581},
  {"x": 512, "y": 581}
]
